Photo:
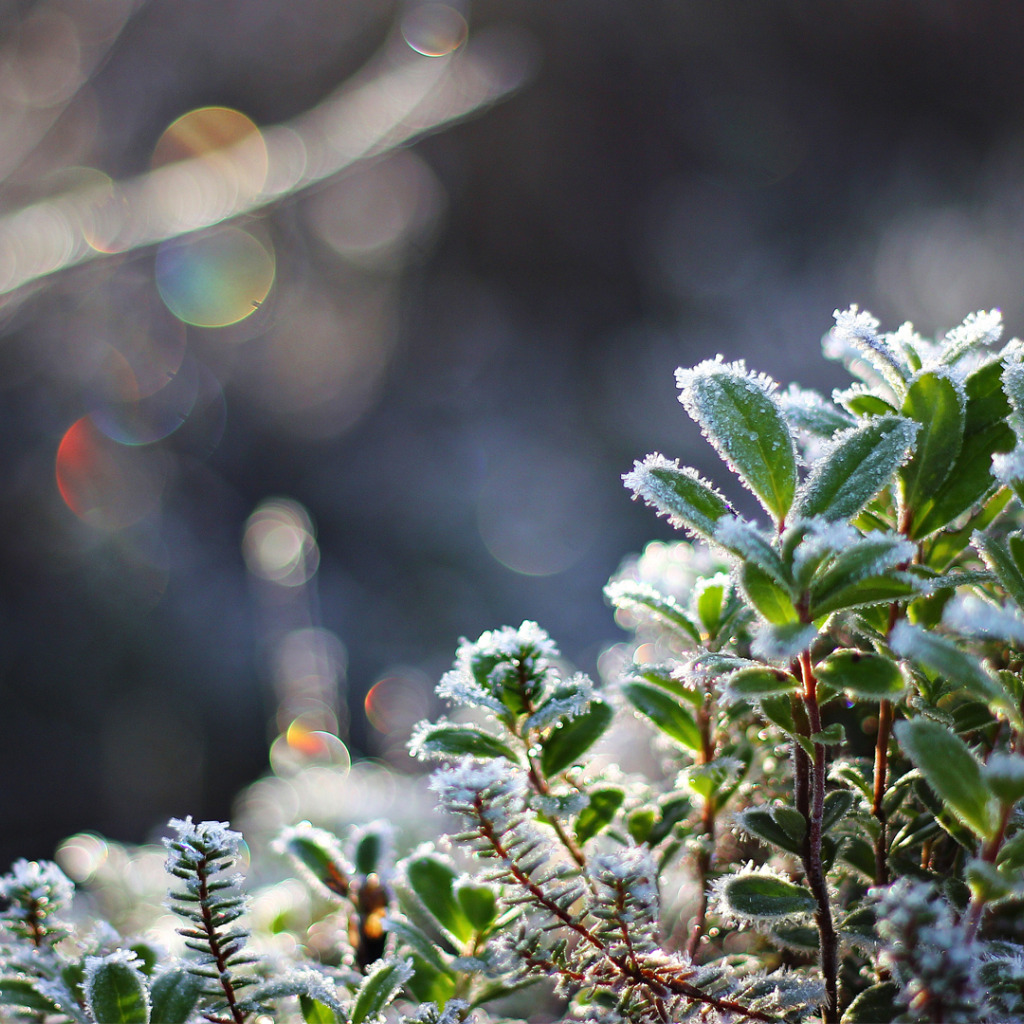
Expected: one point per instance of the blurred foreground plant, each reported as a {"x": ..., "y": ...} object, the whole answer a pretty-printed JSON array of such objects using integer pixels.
[{"x": 780, "y": 864}]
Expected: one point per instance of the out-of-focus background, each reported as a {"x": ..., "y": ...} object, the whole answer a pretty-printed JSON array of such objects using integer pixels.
[{"x": 328, "y": 329}]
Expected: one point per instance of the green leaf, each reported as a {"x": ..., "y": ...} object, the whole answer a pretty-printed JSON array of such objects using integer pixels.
[
  {"x": 709, "y": 595},
  {"x": 1010, "y": 856},
  {"x": 758, "y": 822},
  {"x": 832, "y": 736},
  {"x": 379, "y": 988},
  {"x": 938, "y": 404},
  {"x": 665, "y": 712},
  {"x": 757, "y": 682},
  {"x": 479, "y": 903},
  {"x": 896, "y": 586},
  {"x": 952, "y": 771},
  {"x": 1003, "y": 563},
  {"x": 807, "y": 410},
  {"x": 769, "y": 598},
  {"x": 985, "y": 433},
  {"x": 879, "y": 1004},
  {"x": 451, "y": 739},
  {"x": 432, "y": 878},
  {"x": 861, "y": 674},
  {"x": 860, "y": 462},
  {"x": 871, "y": 556},
  {"x": 741, "y": 417},
  {"x": 564, "y": 746},
  {"x": 763, "y": 897},
  {"x": 679, "y": 493},
  {"x": 173, "y": 996},
  {"x": 116, "y": 992},
  {"x": 598, "y": 814},
  {"x": 411, "y": 939},
  {"x": 315, "y": 1012},
  {"x": 666, "y": 611}
]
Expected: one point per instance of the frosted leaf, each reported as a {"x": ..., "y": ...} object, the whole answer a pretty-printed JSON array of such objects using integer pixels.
[
  {"x": 494, "y": 789},
  {"x": 978, "y": 329},
  {"x": 914, "y": 347},
  {"x": 740, "y": 415},
  {"x": 669, "y": 567},
  {"x": 736, "y": 897},
  {"x": 809, "y": 411},
  {"x": 973, "y": 616},
  {"x": 859, "y": 331},
  {"x": 457, "y": 686},
  {"x": 570, "y": 700},
  {"x": 455, "y": 1012},
  {"x": 679, "y": 493},
  {"x": 782, "y": 643}
]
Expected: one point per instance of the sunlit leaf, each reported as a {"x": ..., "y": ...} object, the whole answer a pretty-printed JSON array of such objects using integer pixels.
[
  {"x": 861, "y": 674},
  {"x": 689, "y": 502},
  {"x": 762, "y": 897},
  {"x": 565, "y": 745},
  {"x": 432, "y": 878},
  {"x": 652, "y": 604},
  {"x": 116, "y": 990},
  {"x": 604, "y": 802},
  {"x": 754, "y": 683},
  {"x": 378, "y": 989}
]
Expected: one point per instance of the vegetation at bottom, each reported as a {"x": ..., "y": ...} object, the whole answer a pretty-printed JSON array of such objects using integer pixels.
[{"x": 795, "y": 793}]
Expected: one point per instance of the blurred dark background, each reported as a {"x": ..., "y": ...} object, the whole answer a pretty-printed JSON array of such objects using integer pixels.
[{"x": 229, "y": 515}]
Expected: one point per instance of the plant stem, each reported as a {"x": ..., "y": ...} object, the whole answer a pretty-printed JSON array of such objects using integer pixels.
[
  {"x": 707, "y": 819},
  {"x": 885, "y": 719},
  {"x": 813, "y": 866},
  {"x": 218, "y": 954}
]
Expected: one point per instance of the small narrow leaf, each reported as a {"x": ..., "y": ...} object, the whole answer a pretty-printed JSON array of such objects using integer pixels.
[
  {"x": 763, "y": 897},
  {"x": 432, "y": 878},
  {"x": 938, "y": 403},
  {"x": 379, "y": 988},
  {"x": 564, "y": 746},
  {"x": 810, "y": 411},
  {"x": 861, "y": 674},
  {"x": 598, "y": 814},
  {"x": 860, "y": 462},
  {"x": 665, "y": 712},
  {"x": 689, "y": 502},
  {"x": 740, "y": 415},
  {"x": 951, "y": 770}
]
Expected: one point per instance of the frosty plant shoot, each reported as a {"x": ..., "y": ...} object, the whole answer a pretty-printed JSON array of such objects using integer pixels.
[{"x": 834, "y": 829}]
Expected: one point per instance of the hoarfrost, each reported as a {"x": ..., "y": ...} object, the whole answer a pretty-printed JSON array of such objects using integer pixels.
[
  {"x": 977, "y": 329},
  {"x": 976, "y": 617}
]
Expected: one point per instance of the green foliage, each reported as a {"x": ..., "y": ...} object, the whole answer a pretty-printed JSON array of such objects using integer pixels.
[{"x": 827, "y": 826}]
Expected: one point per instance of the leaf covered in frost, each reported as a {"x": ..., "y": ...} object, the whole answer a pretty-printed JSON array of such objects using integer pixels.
[
  {"x": 689, "y": 502},
  {"x": 741, "y": 417}
]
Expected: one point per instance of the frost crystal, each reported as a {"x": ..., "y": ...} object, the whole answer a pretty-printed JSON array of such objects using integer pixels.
[
  {"x": 977, "y": 329},
  {"x": 496, "y": 787}
]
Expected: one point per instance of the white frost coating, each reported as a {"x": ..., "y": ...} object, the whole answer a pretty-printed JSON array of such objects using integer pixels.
[
  {"x": 906, "y": 340},
  {"x": 782, "y": 645},
  {"x": 304, "y": 830},
  {"x": 39, "y": 880},
  {"x": 1005, "y": 767},
  {"x": 1008, "y": 467},
  {"x": 644, "y": 484},
  {"x": 459, "y": 785},
  {"x": 633, "y": 869},
  {"x": 570, "y": 700},
  {"x": 974, "y": 616},
  {"x": 205, "y": 835},
  {"x": 1013, "y": 381},
  {"x": 809, "y": 410},
  {"x": 124, "y": 957},
  {"x": 687, "y": 377},
  {"x": 859, "y": 330},
  {"x": 977, "y": 329}
]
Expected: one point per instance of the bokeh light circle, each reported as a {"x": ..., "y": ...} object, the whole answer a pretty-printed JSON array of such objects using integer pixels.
[
  {"x": 434, "y": 29},
  {"x": 279, "y": 543},
  {"x": 221, "y": 136},
  {"x": 106, "y": 484},
  {"x": 216, "y": 278}
]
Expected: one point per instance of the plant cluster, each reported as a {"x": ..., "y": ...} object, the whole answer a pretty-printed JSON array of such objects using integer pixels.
[{"x": 831, "y": 828}]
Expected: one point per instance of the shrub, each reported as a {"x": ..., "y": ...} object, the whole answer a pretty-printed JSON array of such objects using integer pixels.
[{"x": 830, "y": 826}]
